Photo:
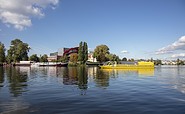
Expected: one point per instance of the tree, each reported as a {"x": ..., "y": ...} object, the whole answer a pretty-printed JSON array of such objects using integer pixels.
[
  {"x": 2, "y": 53},
  {"x": 73, "y": 58},
  {"x": 34, "y": 57},
  {"x": 18, "y": 51},
  {"x": 124, "y": 59},
  {"x": 116, "y": 58},
  {"x": 44, "y": 58},
  {"x": 158, "y": 62},
  {"x": 85, "y": 52},
  {"x": 80, "y": 52},
  {"x": 180, "y": 62},
  {"x": 9, "y": 57},
  {"x": 110, "y": 57},
  {"x": 131, "y": 60},
  {"x": 151, "y": 60},
  {"x": 100, "y": 52},
  {"x": 63, "y": 59}
]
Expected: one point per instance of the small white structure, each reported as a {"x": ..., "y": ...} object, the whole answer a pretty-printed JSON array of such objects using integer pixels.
[
  {"x": 91, "y": 58},
  {"x": 25, "y": 62}
]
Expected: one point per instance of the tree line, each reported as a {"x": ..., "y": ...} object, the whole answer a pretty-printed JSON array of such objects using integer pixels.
[{"x": 18, "y": 51}]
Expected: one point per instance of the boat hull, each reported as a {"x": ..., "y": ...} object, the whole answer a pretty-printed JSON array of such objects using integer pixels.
[
  {"x": 54, "y": 65},
  {"x": 20, "y": 64},
  {"x": 93, "y": 63}
]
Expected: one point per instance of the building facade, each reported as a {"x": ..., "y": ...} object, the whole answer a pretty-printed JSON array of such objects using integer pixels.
[{"x": 62, "y": 52}]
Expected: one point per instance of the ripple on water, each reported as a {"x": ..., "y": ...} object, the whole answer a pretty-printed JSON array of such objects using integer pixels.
[{"x": 91, "y": 90}]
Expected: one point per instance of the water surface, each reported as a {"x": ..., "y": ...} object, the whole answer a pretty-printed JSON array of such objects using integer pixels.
[{"x": 90, "y": 90}]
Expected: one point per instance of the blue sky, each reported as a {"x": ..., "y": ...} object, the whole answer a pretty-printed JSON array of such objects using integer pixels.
[{"x": 130, "y": 28}]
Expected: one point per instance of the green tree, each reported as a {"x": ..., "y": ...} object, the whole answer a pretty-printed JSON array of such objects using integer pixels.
[
  {"x": 9, "y": 57},
  {"x": 44, "y": 58},
  {"x": 2, "y": 53},
  {"x": 112, "y": 57},
  {"x": 158, "y": 62},
  {"x": 18, "y": 51},
  {"x": 80, "y": 52},
  {"x": 131, "y": 60},
  {"x": 180, "y": 62},
  {"x": 151, "y": 60},
  {"x": 63, "y": 59},
  {"x": 100, "y": 52},
  {"x": 85, "y": 52},
  {"x": 34, "y": 57},
  {"x": 124, "y": 59}
]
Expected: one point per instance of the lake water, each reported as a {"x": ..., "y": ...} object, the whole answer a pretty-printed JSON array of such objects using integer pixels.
[{"x": 90, "y": 90}]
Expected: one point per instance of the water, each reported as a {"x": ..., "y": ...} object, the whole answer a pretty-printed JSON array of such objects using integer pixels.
[{"x": 51, "y": 90}]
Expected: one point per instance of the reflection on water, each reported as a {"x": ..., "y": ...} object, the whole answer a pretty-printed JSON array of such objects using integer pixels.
[
  {"x": 128, "y": 72},
  {"x": 79, "y": 89},
  {"x": 17, "y": 78},
  {"x": 70, "y": 76},
  {"x": 172, "y": 75},
  {"x": 1, "y": 76},
  {"x": 83, "y": 78}
]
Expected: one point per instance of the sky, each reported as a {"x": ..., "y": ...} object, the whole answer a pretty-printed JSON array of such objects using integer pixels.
[{"x": 139, "y": 29}]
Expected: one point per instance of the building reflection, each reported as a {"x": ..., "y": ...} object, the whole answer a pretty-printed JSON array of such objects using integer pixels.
[{"x": 17, "y": 78}]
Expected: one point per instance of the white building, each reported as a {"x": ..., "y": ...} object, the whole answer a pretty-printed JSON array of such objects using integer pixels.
[{"x": 91, "y": 58}]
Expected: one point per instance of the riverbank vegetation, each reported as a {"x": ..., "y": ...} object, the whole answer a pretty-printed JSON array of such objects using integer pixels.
[
  {"x": 102, "y": 54},
  {"x": 18, "y": 51},
  {"x": 2, "y": 53}
]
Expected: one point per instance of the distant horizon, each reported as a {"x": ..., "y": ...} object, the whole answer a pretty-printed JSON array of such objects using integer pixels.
[{"x": 130, "y": 28}]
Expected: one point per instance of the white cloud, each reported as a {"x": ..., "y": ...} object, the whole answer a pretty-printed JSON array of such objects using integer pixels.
[
  {"x": 124, "y": 51},
  {"x": 181, "y": 55},
  {"x": 177, "y": 45},
  {"x": 18, "y": 13}
]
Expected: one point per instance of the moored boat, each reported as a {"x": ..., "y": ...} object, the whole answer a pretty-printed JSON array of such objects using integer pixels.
[
  {"x": 22, "y": 63},
  {"x": 130, "y": 65},
  {"x": 55, "y": 64},
  {"x": 62, "y": 65},
  {"x": 88, "y": 63}
]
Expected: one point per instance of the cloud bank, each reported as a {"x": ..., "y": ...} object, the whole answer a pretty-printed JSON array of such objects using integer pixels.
[
  {"x": 181, "y": 55},
  {"x": 18, "y": 13},
  {"x": 177, "y": 45}
]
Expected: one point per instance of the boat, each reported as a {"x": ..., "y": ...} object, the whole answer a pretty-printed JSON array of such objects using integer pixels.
[
  {"x": 88, "y": 63},
  {"x": 22, "y": 63},
  {"x": 128, "y": 65},
  {"x": 53, "y": 64},
  {"x": 62, "y": 65}
]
